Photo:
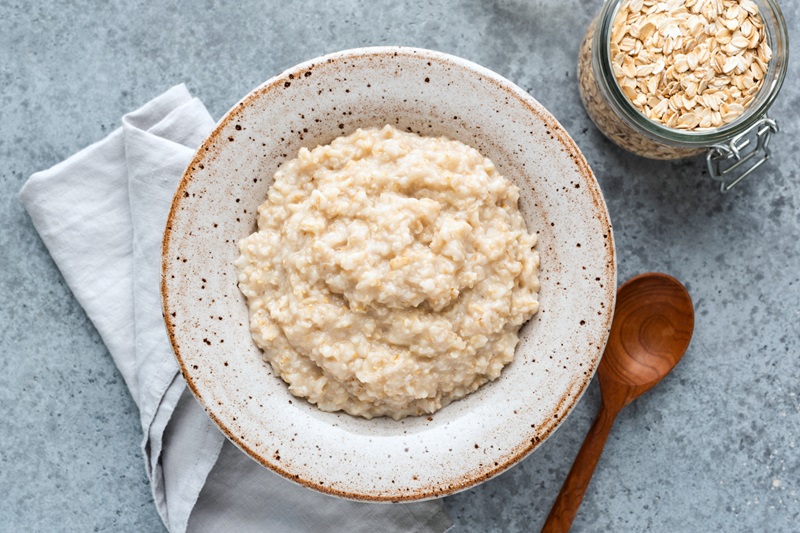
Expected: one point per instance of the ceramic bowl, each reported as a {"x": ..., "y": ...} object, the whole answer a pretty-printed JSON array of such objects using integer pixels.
[{"x": 471, "y": 440}]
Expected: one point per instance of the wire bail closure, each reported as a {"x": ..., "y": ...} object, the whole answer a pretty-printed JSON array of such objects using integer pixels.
[{"x": 725, "y": 159}]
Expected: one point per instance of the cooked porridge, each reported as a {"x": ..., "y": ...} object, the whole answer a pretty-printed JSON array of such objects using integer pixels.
[{"x": 390, "y": 273}]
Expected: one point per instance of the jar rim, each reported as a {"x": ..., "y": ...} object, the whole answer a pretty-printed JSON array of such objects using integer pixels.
[{"x": 778, "y": 39}]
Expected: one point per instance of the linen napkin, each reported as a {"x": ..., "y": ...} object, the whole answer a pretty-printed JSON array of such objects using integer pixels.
[{"x": 101, "y": 214}]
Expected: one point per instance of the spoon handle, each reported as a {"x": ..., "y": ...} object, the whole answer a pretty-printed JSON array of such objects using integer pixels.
[{"x": 569, "y": 499}]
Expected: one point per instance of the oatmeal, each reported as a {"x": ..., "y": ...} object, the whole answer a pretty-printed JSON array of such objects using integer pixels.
[{"x": 390, "y": 273}]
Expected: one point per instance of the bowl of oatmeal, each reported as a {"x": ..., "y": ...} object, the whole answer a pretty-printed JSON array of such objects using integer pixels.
[{"x": 388, "y": 274}]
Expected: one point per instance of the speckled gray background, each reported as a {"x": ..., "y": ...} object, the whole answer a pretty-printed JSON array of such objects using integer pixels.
[{"x": 713, "y": 448}]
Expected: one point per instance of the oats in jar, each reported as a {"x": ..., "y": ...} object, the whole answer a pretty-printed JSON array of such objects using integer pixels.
[
  {"x": 690, "y": 64},
  {"x": 390, "y": 273}
]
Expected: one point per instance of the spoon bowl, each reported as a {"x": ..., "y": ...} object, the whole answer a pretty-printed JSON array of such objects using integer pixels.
[{"x": 652, "y": 326}]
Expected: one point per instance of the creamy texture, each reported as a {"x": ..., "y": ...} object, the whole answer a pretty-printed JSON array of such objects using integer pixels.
[{"x": 390, "y": 273}]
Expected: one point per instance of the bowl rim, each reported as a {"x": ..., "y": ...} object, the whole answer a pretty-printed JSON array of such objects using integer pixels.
[{"x": 559, "y": 134}]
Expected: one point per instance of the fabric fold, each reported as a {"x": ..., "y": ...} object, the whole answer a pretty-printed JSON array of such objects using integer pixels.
[
  {"x": 152, "y": 181},
  {"x": 181, "y": 449}
]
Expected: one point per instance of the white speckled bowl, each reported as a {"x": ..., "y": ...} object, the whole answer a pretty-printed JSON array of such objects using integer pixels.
[{"x": 472, "y": 439}]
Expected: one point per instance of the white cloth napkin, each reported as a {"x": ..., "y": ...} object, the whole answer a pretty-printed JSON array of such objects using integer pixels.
[{"x": 101, "y": 214}]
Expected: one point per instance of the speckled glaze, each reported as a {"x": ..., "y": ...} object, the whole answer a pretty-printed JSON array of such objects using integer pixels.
[{"x": 471, "y": 440}]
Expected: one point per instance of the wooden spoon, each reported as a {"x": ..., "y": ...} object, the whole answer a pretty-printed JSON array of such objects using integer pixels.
[{"x": 653, "y": 323}]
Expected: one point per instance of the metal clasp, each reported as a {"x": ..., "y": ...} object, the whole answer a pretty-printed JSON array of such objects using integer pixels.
[{"x": 733, "y": 154}]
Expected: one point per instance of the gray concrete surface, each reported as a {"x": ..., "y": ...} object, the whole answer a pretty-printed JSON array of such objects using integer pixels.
[{"x": 714, "y": 448}]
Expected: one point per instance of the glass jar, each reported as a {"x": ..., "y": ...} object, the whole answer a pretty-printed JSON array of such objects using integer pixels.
[{"x": 733, "y": 150}]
